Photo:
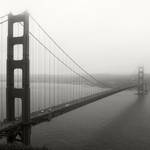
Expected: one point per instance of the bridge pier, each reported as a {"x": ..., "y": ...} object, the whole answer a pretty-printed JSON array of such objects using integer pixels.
[
  {"x": 23, "y": 92},
  {"x": 26, "y": 133}
]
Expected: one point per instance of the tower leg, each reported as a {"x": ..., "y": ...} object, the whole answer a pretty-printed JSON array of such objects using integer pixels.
[{"x": 26, "y": 134}]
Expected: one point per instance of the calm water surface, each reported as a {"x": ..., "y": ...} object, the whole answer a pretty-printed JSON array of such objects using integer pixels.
[{"x": 118, "y": 122}]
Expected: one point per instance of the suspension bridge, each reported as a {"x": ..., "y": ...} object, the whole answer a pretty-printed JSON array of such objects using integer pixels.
[{"x": 40, "y": 81}]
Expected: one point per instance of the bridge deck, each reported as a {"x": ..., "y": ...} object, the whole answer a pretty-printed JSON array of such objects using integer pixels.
[{"x": 49, "y": 113}]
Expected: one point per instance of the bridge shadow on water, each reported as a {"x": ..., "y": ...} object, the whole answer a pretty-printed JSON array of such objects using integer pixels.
[{"x": 129, "y": 131}]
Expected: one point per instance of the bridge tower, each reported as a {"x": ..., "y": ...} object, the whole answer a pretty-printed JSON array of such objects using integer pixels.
[
  {"x": 141, "y": 83},
  {"x": 12, "y": 92}
]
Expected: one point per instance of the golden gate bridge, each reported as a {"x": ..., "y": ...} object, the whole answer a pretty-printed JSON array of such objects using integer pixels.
[{"x": 40, "y": 81}]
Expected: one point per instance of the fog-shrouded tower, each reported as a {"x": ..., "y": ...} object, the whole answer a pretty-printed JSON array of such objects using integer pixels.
[{"x": 141, "y": 82}]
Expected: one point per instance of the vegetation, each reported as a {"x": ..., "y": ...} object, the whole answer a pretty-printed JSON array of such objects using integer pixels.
[{"x": 19, "y": 147}]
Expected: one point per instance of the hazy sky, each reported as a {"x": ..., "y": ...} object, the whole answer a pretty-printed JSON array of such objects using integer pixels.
[{"x": 104, "y": 36}]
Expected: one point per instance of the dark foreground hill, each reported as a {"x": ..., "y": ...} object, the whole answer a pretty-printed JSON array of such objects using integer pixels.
[{"x": 20, "y": 147}]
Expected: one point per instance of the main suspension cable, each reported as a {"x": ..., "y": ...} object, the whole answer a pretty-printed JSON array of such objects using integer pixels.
[
  {"x": 3, "y": 21},
  {"x": 59, "y": 58},
  {"x": 6, "y": 15},
  {"x": 59, "y": 47}
]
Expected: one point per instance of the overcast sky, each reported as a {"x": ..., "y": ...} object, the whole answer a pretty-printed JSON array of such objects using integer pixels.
[{"x": 103, "y": 36}]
